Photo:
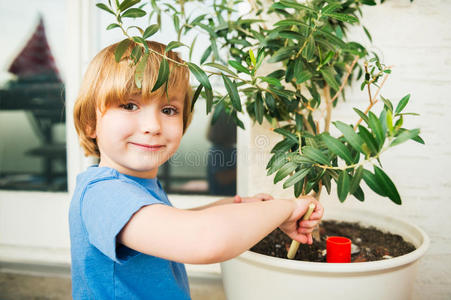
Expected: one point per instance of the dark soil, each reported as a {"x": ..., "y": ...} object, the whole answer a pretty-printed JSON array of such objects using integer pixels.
[{"x": 368, "y": 243}]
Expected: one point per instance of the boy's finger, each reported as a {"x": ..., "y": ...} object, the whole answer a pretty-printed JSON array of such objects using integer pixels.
[
  {"x": 308, "y": 224},
  {"x": 304, "y": 230}
]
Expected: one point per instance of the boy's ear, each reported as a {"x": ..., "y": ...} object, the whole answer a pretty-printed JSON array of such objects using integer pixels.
[{"x": 91, "y": 132}]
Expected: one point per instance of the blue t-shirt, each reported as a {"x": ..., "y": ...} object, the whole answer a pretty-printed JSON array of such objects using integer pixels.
[{"x": 103, "y": 202}]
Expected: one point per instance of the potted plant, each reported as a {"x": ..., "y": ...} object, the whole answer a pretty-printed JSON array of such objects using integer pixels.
[{"x": 289, "y": 62}]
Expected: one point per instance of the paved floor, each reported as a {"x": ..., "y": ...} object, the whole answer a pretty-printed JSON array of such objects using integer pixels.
[{"x": 17, "y": 286}]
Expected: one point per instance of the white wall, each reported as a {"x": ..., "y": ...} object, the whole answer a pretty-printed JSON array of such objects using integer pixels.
[{"x": 416, "y": 39}]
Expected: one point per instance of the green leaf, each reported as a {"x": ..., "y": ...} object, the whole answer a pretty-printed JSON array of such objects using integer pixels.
[
  {"x": 258, "y": 107},
  {"x": 191, "y": 48},
  {"x": 387, "y": 103},
  {"x": 163, "y": 75},
  {"x": 309, "y": 51},
  {"x": 287, "y": 134},
  {"x": 383, "y": 121},
  {"x": 303, "y": 76},
  {"x": 271, "y": 80},
  {"x": 369, "y": 139},
  {"x": 270, "y": 102},
  {"x": 239, "y": 67},
  {"x": 283, "y": 146},
  {"x": 196, "y": 95},
  {"x": 389, "y": 122},
  {"x": 362, "y": 115},
  {"x": 343, "y": 185},
  {"x": 293, "y": 35},
  {"x": 387, "y": 185},
  {"x": 326, "y": 181},
  {"x": 206, "y": 54},
  {"x": 330, "y": 8},
  {"x": 402, "y": 104},
  {"x": 342, "y": 17},
  {"x": 252, "y": 57},
  {"x": 367, "y": 34},
  {"x": 369, "y": 2},
  {"x": 133, "y": 13},
  {"x": 290, "y": 22},
  {"x": 232, "y": 90},
  {"x": 376, "y": 127},
  {"x": 275, "y": 163},
  {"x": 358, "y": 193},
  {"x": 139, "y": 71},
  {"x": 356, "y": 178},
  {"x": 221, "y": 67},
  {"x": 136, "y": 53},
  {"x": 138, "y": 28},
  {"x": 151, "y": 30},
  {"x": 282, "y": 92},
  {"x": 297, "y": 6},
  {"x": 373, "y": 183},
  {"x": 173, "y": 45},
  {"x": 139, "y": 40},
  {"x": 330, "y": 78},
  {"x": 105, "y": 8},
  {"x": 206, "y": 28},
  {"x": 111, "y": 26},
  {"x": 298, "y": 188},
  {"x": 297, "y": 177},
  {"x": 128, "y": 3},
  {"x": 315, "y": 154},
  {"x": 282, "y": 54},
  {"x": 299, "y": 122},
  {"x": 336, "y": 147},
  {"x": 353, "y": 138},
  {"x": 405, "y": 136},
  {"x": 284, "y": 171},
  {"x": 209, "y": 98},
  {"x": 328, "y": 57},
  {"x": 418, "y": 139},
  {"x": 120, "y": 49},
  {"x": 176, "y": 21},
  {"x": 200, "y": 75}
]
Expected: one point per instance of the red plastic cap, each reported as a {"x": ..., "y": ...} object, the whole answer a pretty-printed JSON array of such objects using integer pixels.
[{"x": 338, "y": 249}]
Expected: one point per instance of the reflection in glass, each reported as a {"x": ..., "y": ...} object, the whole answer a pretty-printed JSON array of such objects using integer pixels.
[
  {"x": 33, "y": 99},
  {"x": 205, "y": 163}
]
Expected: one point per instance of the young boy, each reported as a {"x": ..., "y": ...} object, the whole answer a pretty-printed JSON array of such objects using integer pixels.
[{"x": 127, "y": 241}]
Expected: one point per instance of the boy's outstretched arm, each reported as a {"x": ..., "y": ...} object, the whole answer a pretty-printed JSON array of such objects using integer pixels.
[
  {"x": 216, "y": 233},
  {"x": 237, "y": 199}
]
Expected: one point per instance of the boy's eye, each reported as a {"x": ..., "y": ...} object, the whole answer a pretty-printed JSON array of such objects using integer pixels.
[
  {"x": 170, "y": 111},
  {"x": 129, "y": 106}
]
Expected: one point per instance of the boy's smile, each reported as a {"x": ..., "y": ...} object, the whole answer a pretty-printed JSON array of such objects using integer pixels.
[
  {"x": 137, "y": 137},
  {"x": 148, "y": 147}
]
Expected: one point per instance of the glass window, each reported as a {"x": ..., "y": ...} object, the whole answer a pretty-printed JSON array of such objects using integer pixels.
[
  {"x": 205, "y": 162},
  {"x": 32, "y": 116}
]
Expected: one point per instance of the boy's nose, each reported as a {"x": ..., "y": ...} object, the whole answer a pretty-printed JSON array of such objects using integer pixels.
[{"x": 151, "y": 124}]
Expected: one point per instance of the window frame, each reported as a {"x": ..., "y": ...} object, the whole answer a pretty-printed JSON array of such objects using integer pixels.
[{"x": 34, "y": 224}]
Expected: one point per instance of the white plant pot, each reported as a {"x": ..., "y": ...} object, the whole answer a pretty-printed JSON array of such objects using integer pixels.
[{"x": 256, "y": 276}]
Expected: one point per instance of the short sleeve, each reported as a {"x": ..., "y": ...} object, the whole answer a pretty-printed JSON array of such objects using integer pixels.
[{"x": 107, "y": 206}]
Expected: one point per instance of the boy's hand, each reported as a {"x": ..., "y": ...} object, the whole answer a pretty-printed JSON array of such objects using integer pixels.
[
  {"x": 298, "y": 230},
  {"x": 256, "y": 198}
]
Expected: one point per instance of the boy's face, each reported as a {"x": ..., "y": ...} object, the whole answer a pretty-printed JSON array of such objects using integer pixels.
[{"x": 138, "y": 137}]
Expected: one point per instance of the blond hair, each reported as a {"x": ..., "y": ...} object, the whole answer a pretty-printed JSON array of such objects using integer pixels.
[{"x": 107, "y": 83}]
